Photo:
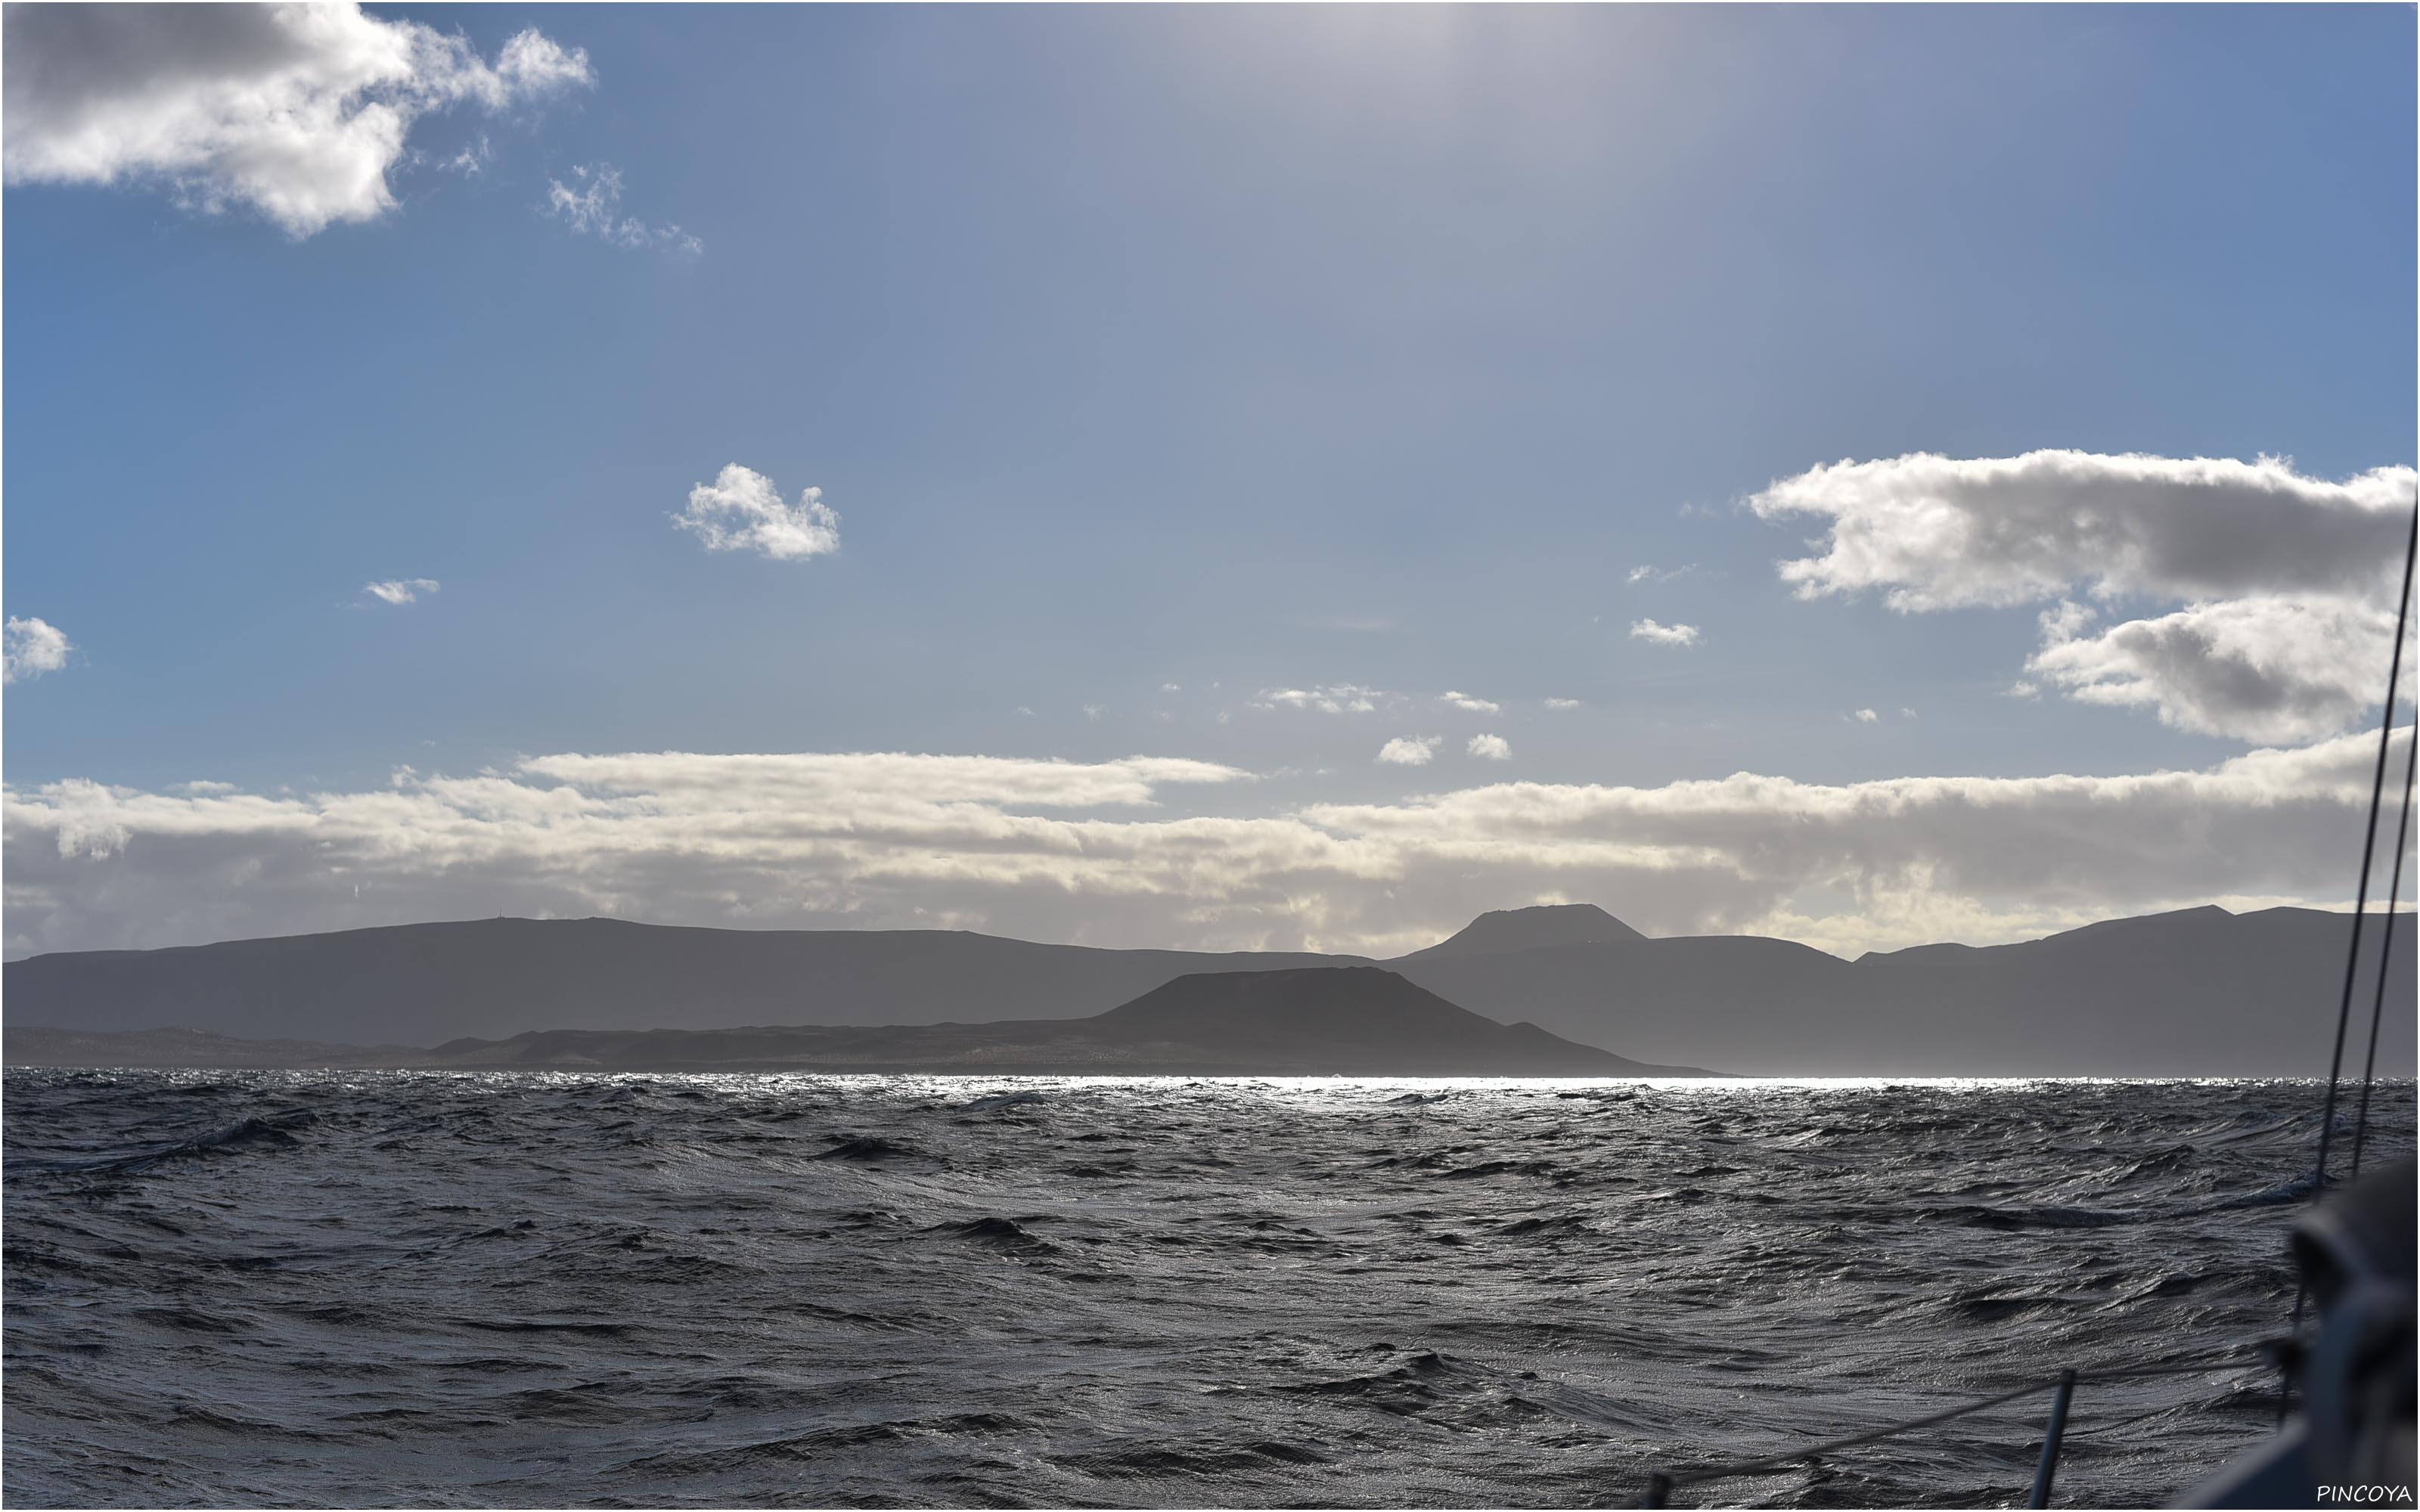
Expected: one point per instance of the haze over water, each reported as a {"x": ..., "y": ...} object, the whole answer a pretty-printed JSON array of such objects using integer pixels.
[{"x": 251, "y": 1288}]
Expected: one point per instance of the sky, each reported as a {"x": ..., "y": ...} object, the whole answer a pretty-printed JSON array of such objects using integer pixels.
[{"x": 1226, "y": 478}]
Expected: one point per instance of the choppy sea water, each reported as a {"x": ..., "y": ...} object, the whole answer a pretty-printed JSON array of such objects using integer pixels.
[{"x": 515, "y": 1288}]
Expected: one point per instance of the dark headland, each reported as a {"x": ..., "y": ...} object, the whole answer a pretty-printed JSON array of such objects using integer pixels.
[{"x": 2197, "y": 992}]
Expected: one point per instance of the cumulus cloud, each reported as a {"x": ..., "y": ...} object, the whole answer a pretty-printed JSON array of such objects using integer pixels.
[
  {"x": 1340, "y": 698},
  {"x": 1491, "y": 747},
  {"x": 29, "y": 648},
  {"x": 591, "y": 204},
  {"x": 1643, "y": 574},
  {"x": 400, "y": 590},
  {"x": 2280, "y": 586},
  {"x": 1664, "y": 635},
  {"x": 2264, "y": 669},
  {"x": 1560, "y": 705},
  {"x": 742, "y": 511},
  {"x": 1471, "y": 703},
  {"x": 1090, "y": 852},
  {"x": 2065, "y": 620},
  {"x": 1867, "y": 717},
  {"x": 1933, "y": 533},
  {"x": 1414, "y": 751},
  {"x": 298, "y": 112}
]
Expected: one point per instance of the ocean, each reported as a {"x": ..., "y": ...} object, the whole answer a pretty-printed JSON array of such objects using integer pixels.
[{"x": 533, "y": 1289}]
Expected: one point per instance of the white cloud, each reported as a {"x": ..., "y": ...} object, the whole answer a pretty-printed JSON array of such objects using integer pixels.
[
  {"x": 1054, "y": 850},
  {"x": 1939, "y": 534},
  {"x": 2066, "y": 619},
  {"x": 471, "y": 160},
  {"x": 1171, "y": 687},
  {"x": 1664, "y": 635},
  {"x": 1471, "y": 703},
  {"x": 592, "y": 204},
  {"x": 1560, "y": 705},
  {"x": 1092, "y": 711},
  {"x": 297, "y": 111},
  {"x": 1648, "y": 574},
  {"x": 1906, "y": 713},
  {"x": 29, "y": 648},
  {"x": 1867, "y": 717},
  {"x": 2277, "y": 670},
  {"x": 531, "y": 65},
  {"x": 1408, "y": 751},
  {"x": 1491, "y": 747},
  {"x": 1639, "y": 574},
  {"x": 400, "y": 590},
  {"x": 1341, "y": 698},
  {"x": 2260, "y": 565},
  {"x": 742, "y": 511}
]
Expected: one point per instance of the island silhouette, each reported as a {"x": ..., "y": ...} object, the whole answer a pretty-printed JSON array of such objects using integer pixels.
[{"x": 1553, "y": 990}]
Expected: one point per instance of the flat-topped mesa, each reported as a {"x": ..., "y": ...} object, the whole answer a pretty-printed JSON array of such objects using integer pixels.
[
  {"x": 1507, "y": 930},
  {"x": 1345, "y": 1020},
  {"x": 1313, "y": 1007}
]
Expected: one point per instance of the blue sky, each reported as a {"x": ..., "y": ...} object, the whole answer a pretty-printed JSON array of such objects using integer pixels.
[{"x": 1240, "y": 350}]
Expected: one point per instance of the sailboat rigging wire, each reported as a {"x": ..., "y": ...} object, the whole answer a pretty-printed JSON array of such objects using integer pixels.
[
  {"x": 2103, "y": 1425},
  {"x": 2360, "y": 905},
  {"x": 1775, "y": 1464},
  {"x": 1661, "y": 1484},
  {"x": 2368, "y": 847},
  {"x": 2385, "y": 950}
]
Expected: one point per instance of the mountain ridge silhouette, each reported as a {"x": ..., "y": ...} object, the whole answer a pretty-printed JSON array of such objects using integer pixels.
[{"x": 2193, "y": 992}]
